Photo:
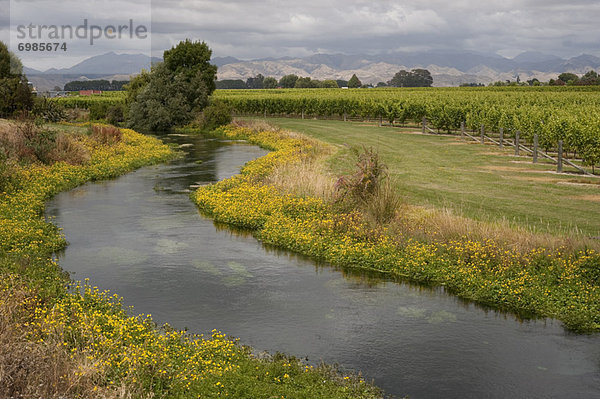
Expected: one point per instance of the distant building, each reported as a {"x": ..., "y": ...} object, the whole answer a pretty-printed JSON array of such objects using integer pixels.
[{"x": 89, "y": 92}]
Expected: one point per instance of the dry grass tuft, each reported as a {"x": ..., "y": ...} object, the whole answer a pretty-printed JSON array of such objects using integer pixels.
[
  {"x": 443, "y": 225},
  {"x": 70, "y": 149},
  {"x": 27, "y": 142},
  {"x": 307, "y": 178},
  {"x": 77, "y": 114},
  {"x": 106, "y": 134},
  {"x": 256, "y": 124}
]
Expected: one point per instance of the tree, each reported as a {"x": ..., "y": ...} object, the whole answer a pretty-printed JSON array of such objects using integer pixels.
[
  {"x": 590, "y": 78},
  {"x": 15, "y": 93},
  {"x": 270, "y": 83},
  {"x": 415, "y": 78},
  {"x": 231, "y": 84},
  {"x": 381, "y": 84},
  {"x": 342, "y": 83},
  {"x": 192, "y": 60},
  {"x": 329, "y": 84},
  {"x": 175, "y": 90},
  {"x": 135, "y": 86},
  {"x": 354, "y": 82},
  {"x": 304, "y": 83},
  {"x": 256, "y": 82},
  {"x": 288, "y": 81},
  {"x": 568, "y": 78},
  {"x": 422, "y": 77}
]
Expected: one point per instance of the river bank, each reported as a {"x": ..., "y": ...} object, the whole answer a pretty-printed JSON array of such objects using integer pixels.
[
  {"x": 82, "y": 341},
  {"x": 535, "y": 283}
]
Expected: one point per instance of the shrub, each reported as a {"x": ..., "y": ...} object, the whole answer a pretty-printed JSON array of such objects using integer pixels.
[
  {"x": 216, "y": 114},
  {"x": 115, "y": 114},
  {"x": 368, "y": 188},
  {"x": 49, "y": 111},
  {"x": 32, "y": 142},
  {"x": 98, "y": 110}
]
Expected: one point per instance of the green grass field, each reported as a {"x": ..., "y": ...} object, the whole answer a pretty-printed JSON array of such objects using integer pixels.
[{"x": 479, "y": 182}]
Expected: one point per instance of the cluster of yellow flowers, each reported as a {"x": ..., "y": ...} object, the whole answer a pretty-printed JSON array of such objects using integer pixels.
[
  {"x": 107, "y": 348},
  {"x": 538, "y": 283}
]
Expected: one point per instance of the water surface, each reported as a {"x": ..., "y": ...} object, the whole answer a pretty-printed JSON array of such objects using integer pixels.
[{"x": 141, "y": 237}]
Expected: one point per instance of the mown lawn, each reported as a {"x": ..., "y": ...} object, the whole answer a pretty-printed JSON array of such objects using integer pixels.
[{"x": 480, "y": 182}]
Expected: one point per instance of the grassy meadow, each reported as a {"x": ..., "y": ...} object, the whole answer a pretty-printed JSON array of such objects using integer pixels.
[{"x": 479, "y": 182}]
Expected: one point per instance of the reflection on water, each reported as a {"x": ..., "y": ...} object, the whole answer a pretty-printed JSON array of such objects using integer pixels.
[{"x": 141, "y": 237}]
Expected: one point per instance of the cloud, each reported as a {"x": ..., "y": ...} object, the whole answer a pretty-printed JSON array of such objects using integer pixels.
[{"x": 268, "y": 28}]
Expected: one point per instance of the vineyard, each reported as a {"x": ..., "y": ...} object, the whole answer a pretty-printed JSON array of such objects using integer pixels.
[
  {"x": 570, "y": 114},
  {"x": 85, "y": 102}
]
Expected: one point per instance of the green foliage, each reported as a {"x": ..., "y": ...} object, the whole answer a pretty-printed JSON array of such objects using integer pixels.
[
  {"x": 256, "y": 82},
  {"x": 329, "y": 84},
  {"x": 288, "y": 81},
  {"x": 216, "y": 114},
  {"x": 48, "y": 111},
  {"x": 568, "y": 78},
  {"x": 270, "y": 83},
  {"x": 174, "y": 91},
  {"x": 136, "y": 85},
  {"x": 15, "y": 93},
  {"x": 568, "y": 113},
  {"x": 231, "y": 84},
  {"x": 98, "y": 110},
  {"x": 305, "y": 83},
  {"x": 115, "y": 114},
  {"x": 192, "y": 60},
  {"x": 414, "y": 78},
  {"x": 104, "y": 85},
  {"x": 354, "y": 82}
]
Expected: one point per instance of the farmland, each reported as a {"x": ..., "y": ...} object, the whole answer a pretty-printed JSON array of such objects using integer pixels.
[{"x": 568, "y": 114}]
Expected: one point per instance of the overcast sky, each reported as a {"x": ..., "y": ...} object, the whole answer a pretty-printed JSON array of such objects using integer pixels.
[{"x": 255, "y": 29}]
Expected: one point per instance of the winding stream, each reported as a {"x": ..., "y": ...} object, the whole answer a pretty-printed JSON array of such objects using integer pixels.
[{"x": 141, "y": 237}]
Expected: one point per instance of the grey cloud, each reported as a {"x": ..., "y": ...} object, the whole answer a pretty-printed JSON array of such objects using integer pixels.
[{"x": 268, "y": 28}]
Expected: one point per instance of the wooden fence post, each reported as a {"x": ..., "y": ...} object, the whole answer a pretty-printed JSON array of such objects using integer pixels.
[
  {"x": 380, "y": 120},
  {"x": 462, "y": 130},
  {"x": 501, "y": 137},
  {"x": 302, "y": 113},
  {"x": 535, "y": 148},
  {"x": 517, "y": 134},
  {"x": 482, "y": 133},
  {"x": 424, "y": 124},
  {"x": 559, "y": 166},
  {"x": 345, "y": 115}
]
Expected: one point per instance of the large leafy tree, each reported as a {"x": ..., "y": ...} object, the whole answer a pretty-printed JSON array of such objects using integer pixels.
[
  {"x": 354, "y": 82},
  {"x": 288, "y": 81},
  {"x": 15, "y": 93},
  {"x": 270, "y": 83},
  {"x": 414, "y": 78},
  {"x": 569, "y": 78},
  {"x": 175, "y": 91}
]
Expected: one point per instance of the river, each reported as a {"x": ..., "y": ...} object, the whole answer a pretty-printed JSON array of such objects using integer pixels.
[{"x": 141, "y": 237}]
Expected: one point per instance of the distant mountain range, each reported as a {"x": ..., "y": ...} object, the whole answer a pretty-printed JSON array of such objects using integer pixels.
[{"x": 449, "y": 68}]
